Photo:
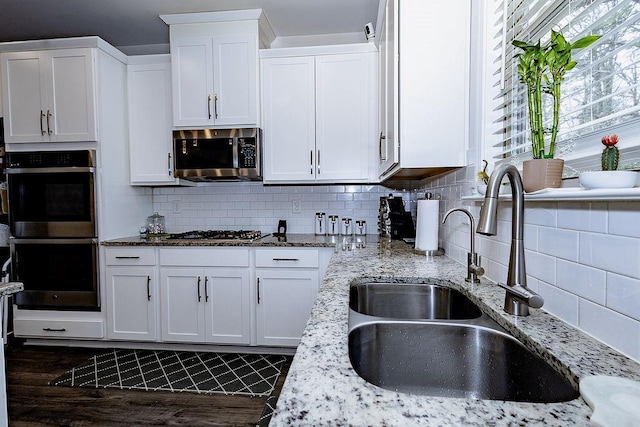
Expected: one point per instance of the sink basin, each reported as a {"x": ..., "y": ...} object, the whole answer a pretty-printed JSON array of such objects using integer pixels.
[
  {"x": 453, "y": 360},
  {"x": 411, "y": 301}
]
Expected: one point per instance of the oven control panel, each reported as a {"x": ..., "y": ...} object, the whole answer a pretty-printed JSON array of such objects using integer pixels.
[{"x": 47, "y": 159}]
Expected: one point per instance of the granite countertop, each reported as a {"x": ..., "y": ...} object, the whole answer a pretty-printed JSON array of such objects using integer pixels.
[
  {"x": 323, "y": 389},
  {"x": 10, "y": 288},
  {"x": 305, "y": 240}
]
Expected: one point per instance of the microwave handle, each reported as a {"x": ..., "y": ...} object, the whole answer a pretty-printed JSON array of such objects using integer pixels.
[{"x": 236, "y": 159}]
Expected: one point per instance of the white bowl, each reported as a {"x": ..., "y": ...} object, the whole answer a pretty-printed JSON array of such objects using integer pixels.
[{"x": 608, "y": 179}]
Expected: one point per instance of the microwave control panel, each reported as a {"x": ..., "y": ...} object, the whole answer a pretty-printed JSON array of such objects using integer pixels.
[{"x": 247, "y": 152}]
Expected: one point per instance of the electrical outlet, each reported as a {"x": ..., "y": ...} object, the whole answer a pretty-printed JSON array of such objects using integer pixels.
[
  {"x": 296, "y": 206},
  {"x": 176, "y": 207}
]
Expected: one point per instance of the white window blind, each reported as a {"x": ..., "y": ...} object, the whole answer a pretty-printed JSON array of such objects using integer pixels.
[{"x": 600, "y": 96}]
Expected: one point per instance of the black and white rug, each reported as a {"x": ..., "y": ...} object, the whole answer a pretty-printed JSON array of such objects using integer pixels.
[{"x": 178, "y": 371}]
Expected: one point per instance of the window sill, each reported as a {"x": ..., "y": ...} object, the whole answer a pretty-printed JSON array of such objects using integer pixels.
[{"x": 571, "y": 194}]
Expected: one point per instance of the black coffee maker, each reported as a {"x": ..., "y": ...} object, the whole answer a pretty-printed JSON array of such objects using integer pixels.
[{"x": 393, "y": 220}]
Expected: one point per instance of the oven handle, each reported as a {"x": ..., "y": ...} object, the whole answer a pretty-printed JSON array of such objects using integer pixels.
[
  {"x": 70, "y": 169},
  {"x": 77, "y": 241}
]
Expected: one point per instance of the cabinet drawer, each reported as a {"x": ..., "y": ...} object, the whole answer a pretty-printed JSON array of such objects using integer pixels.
[
  {"x": 291, "y": 258},
  {"x": 58, "y": 328},
  {"x": 198, "y": 257},
  {"x": 130, "y": 256}
]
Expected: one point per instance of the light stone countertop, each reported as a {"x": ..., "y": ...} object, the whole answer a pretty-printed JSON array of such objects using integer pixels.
[
  {"x": 322, "y": 388},
  {"x": 10, "y": 288},
  {"x": 304, "y": 240}
]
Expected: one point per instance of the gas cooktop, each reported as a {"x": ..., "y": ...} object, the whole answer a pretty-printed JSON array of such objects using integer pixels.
[{"x": 218, "y": 235}]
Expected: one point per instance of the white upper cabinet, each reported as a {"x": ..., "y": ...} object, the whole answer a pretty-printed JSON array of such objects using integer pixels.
[
  {"x": 215, "y": 81},
  {"x": 424, "y": 64},
  {"x": 289, "y": 114},
  {"x": 320, "y": 117},
  {"x": 150, "y": 141},
  {"x": 49, "y": 96},
  {"x": 214, "y": 59}
]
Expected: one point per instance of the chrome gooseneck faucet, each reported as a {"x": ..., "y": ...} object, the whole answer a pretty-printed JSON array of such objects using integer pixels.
[
  {"x": 473, "y": 260},
  {"x": 518, "y": 298}
]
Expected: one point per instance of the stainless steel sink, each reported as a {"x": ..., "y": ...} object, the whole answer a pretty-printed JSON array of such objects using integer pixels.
[
  {"x": 453, "y": 360},
  {"x": 411, "y": 301}
]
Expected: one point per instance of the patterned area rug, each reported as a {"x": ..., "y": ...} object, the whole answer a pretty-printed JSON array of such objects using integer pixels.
[
  {"x": 267, "y": 412},
  {"x": 178, "y": 371}
]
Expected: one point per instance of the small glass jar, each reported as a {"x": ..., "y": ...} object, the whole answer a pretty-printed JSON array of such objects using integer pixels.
[{"x": 155, "y": 224}]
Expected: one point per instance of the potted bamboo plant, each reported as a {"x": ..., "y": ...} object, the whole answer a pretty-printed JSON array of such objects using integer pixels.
[{"x": 542, "y": 68}]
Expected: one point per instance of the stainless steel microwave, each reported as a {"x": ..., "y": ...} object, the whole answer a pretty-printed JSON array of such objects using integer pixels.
[{"x": 218, "y": 154}]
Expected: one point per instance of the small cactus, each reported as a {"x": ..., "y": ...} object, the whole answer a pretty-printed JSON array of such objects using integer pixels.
[{"x": 610, "y": 154}]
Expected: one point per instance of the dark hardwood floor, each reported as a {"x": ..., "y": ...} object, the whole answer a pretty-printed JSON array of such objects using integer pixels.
[{"x": 32, "y": 402}]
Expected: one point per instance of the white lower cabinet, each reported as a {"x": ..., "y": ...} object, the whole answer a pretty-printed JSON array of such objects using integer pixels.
[
  {"x": 286, "y": 288},
  {"x": 284, "y": 302},
  {"x": 227, "y": 306},
  {"x": 205, "y": 295},
  {"x": 132, "y": 300},
  {"x": 131, "y": 294},
  {"x": 205, "y": 304}
]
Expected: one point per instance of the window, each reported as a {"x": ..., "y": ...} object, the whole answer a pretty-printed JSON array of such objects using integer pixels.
[{"x": 601, "y": 96}]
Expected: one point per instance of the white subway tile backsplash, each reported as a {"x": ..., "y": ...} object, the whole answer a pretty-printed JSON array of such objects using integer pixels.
[
  {"x": 583, "y": 216},
  {"x": 581, "y": 280},
  {"x": 541, "y": 214},
  {"x": 623, "y": 295},
  {"x": 610, "y": 253},
  {"x": 559, "y": 303},
  {"x": 624, "y": 219},
  {"x": 541, "y": 266},
  {"x": 615, "y": 329},
  {"x": 558, "y": 243},
  {"x": 255, "y": 206}
]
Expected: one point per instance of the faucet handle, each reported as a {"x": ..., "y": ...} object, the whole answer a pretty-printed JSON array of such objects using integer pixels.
[
  {"x": 473, "y": 268},
  {"x": 532, "y": 299}
]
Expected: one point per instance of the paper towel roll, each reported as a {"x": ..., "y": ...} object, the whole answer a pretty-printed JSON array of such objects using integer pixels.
[{"x": 427, "y": 225}]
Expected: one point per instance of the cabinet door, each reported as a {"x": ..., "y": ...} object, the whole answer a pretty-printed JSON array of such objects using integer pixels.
[
  {"x": 132, "y": 300},
  {"x": 49, "y": 96},
  {"x": 150, "y": 142},
  {"x": 235, "y": 80},
  {"x": 71, "y": 111},
  {"x": 23, "y": 89},
  {"x": 182, "y": 296},
  {"x": 388, "y": 144},
  {"x": 345, "y": 115},
  {"x": 191, "y": 67},
  {"x": 227, "y": 306},
  {"x": 284, "y": 300},
  {"x": 288, "y": 86}
]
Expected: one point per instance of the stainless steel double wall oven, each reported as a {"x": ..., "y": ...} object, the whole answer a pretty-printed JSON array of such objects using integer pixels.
[{"x": 52, "y": 218}]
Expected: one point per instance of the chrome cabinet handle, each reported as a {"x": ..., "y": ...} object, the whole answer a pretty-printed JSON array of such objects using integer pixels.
[
  {"x": 127, "y": 257},
  {"x": 41, "y": 126},
  {"x": 199, "y": 295},
  {"x": 215, "y": 105},
  {"x": 383, "y": 153},
  {"x": 206, "y": 291},
  {"x": 209, "y": 106},
  {"x": 287, "y": 259},
  {"x": 169, "y": 164},
  {"x": 311, "y": 162},
  {"x": 318, "y": 161},
  {"x": 148, "y": 288},
  {"x": 49, "y": 115},
  {"x": 54, "y": 329}
]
